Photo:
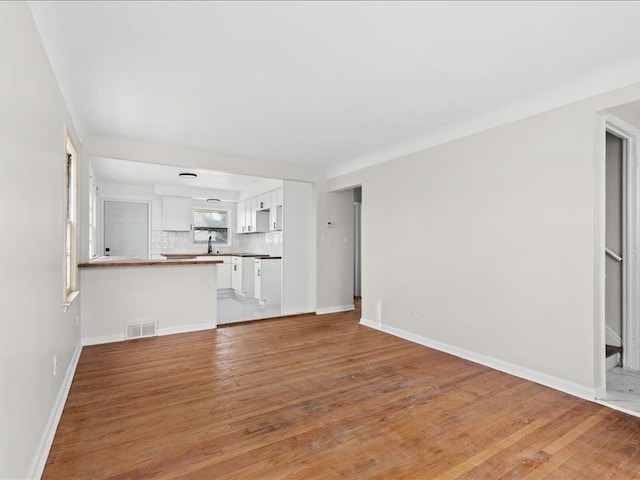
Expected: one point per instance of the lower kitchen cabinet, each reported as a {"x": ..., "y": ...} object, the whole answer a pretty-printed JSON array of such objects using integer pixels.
[
  {"x": 267, "y": 278},
  {"x": 242, "y": 276}
]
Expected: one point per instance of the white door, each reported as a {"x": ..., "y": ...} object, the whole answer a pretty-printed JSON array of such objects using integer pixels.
[{"x": 126, "y": 229}]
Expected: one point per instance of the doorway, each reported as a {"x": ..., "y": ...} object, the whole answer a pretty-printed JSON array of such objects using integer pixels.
[
  {"x": 621, "y": 319},
  {"x": 126, "y": 229},
  {"x": 357, "y": 244}
]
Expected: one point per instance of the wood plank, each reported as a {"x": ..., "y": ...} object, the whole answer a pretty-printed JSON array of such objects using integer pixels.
[{"x": 322, "y": 397}]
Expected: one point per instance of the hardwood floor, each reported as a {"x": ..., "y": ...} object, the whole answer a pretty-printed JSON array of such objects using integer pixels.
[{"x": 322, "y": 397}]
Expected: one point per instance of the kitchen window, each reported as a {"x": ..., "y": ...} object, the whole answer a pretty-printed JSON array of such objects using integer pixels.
[{"x": 214, "y": 223}]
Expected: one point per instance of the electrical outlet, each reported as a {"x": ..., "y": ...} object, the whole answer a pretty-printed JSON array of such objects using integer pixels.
[
  {"x": 55, "y": 365},
  {"x": 77, "y": 319},
  {"x": 415, "y": 315}
]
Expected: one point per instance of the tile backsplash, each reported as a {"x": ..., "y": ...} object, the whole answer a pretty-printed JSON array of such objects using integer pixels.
[{"x": 269, "y": 243}]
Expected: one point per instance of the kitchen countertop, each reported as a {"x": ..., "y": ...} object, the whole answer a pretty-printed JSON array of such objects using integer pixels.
[
  {"x": 131, "y": 262},
  {"x": 192, "y": 255}
]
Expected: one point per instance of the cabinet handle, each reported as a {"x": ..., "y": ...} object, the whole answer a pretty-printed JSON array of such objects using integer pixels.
[
  {"x": 235, "y": 268},
  {"x": 274, "y": 225},
  {"x": 258, "y": 272}
]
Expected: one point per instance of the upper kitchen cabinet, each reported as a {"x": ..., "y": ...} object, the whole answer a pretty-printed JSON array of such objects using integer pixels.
[
  {"x": 241, "y": 221},
  {"x": 275, "y": 212},
  {"x": 245, "y": 216},
  {"x": 264, "y": 201},
  {"x": 261, "y": 213},
  {"x": 250, "y": 215},
  {"x": 177, "y": 214}
]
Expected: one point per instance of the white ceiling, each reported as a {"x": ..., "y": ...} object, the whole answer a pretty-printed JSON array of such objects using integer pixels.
[
  {"x": 317, "y": 83},
  {"x": 137, "y": 173}
]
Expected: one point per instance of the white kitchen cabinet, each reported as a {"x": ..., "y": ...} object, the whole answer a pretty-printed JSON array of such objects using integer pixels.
[
  {"x": 261, "y": 213},
  {"x": 267, "y": 275},
  {"x": 250, "y": 215},
  {"x": 177, "y": 214},
  {"x": 224, "y": 273},
  {"x": 241, "y": 222},
  {"x": 264, "y": 201},
  {"x": 246, "y": 216},
  {"x": 275, "y": 213},
  {"x": 236, "y": 274},
  {"x": 242, "y": 276}
]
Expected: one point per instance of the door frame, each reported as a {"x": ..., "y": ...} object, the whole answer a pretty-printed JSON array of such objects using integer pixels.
[
  {"x": 630, "y": 318},
  {"x": 100, "y": 221}
]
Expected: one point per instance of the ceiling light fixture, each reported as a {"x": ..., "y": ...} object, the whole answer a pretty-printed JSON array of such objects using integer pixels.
[
  {"x": 188, "y": 175},
  {"x": 213, "y": 200}
]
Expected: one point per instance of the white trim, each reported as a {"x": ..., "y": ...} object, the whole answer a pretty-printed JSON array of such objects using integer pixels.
[
  {"x": 42, "y": 453},
  {"x": 161, "y": 332},
  {"x": 595, "y": 83},
  {"x": 186, "y": 329},
  {"x": 612, "y": 361},
  {"x": 340, "y": 308},
  {"x": 104, "y": 339},
  {"x": 611, "y": 337},
  {"x": 532, "y": 375}
]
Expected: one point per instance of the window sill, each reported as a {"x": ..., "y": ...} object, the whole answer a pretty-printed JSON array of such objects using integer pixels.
[{"x": 71, "y": 296}]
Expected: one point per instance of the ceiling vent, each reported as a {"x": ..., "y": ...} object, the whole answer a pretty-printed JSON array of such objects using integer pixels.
[{"x": 140, "y": 330}]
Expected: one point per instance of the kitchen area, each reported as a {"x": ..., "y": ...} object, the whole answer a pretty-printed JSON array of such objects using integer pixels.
[{"x": 158, "y": 213}]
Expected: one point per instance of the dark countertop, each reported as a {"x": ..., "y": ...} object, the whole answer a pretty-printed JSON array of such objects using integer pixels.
[
  {"x": 192, "y": 255},
  {"x": 146, "y": 263}
]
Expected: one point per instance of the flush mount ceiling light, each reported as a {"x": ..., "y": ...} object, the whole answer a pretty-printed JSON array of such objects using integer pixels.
[
  {"x": 213, "y": 200},
  {"x": 188, "y": 175}
]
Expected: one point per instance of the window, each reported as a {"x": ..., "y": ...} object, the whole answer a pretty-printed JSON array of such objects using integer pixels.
[
  {"x": 71, "y": 207},
  {"x": 211, "y": 223}
]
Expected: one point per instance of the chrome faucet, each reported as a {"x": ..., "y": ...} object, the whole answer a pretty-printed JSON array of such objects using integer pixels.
[{"x": 209, "y": 246}]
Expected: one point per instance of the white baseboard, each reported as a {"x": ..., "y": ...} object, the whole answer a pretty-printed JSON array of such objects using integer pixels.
[
  {"x": 340, "y": 308},
  {"x": 186, "y": 329},
  {"x": 42, "y": 453},
  {"x": 105, "y": 339},
  {"x": 612, "y": 361},
  {"x": 161, "y": 332},
  {"x": 532, "y": 375},
  {"x": 611, "y": 337}
]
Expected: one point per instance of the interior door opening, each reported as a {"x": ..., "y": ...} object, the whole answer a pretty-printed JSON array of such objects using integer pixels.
[
  {"x": 615, "y": 251},
  {"x": 621, "y": 325}
]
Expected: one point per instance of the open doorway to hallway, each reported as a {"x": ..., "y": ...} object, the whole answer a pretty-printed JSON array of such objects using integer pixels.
[
  {"x": 357, "y": 246},
  {"x": 621, "y": 319}
]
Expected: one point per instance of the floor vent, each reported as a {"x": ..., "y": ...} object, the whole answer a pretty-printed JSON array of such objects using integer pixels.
[{"x": 140, "y": 330}]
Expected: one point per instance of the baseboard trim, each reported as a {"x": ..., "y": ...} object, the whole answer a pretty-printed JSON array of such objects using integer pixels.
[
  {"x": 512, "y": 369},
  {"x": 337, "y": 309},
  {"x": 161, "y": 332},
  {"x": 104, "y": 339},
  {"x": 186, "y": 329},
  {"x": 42, "y": 453}
]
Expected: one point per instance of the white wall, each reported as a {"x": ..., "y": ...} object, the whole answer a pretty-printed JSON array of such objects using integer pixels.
[
  {"x": 177, "y": 297},
  {"x": 298, "y": 260},
  {"x": 496, "y": 240},
  {"x": 34, "y": 326}
]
